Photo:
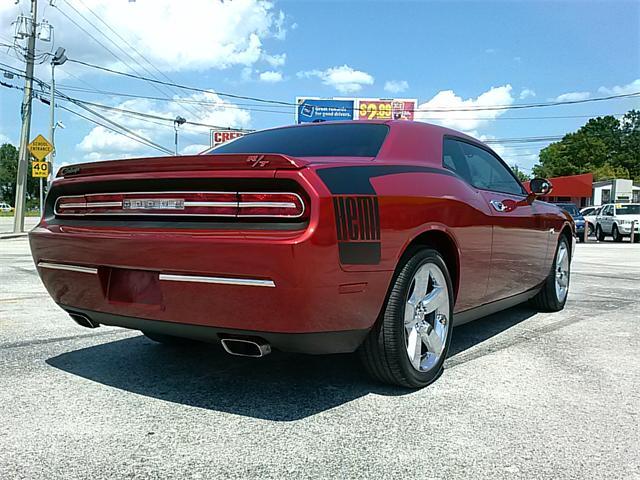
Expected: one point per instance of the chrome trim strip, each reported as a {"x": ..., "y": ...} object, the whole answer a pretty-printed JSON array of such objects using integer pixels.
[
  {"x": 267, "y": 204},
  {"x": 247, "y": 282},
  {"x": 103, "y": 204},
  {"x": 70, "y": 268},
  {"x": 74, "y": 205},
  {"x": 210, "y": 204}
]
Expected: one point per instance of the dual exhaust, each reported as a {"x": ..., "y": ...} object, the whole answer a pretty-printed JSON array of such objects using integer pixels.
[{"x": 243, "y": 347}]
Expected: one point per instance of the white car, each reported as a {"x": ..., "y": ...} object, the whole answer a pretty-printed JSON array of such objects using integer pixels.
[
  {"x": 5, "y": 207},
  {"x": 590, "y": 215},
  {"x": 616, "y": 219}
]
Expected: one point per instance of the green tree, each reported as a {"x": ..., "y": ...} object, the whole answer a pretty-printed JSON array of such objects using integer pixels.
[
  {"x": 604, "y": 146},
  {"x": 523, "y": 177},
  {"x": 9, "y": 172}
]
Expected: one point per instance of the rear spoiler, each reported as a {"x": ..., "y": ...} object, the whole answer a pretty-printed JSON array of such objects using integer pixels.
[{"x": 208, "y": 162}]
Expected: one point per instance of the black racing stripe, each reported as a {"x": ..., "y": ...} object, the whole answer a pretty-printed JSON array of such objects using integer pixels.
[
  {"x": 359, "y": 253},
  {"x": 355, "y": 180}
]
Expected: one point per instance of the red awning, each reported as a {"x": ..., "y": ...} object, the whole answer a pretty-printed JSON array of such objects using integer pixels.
[{"x": 570, "y": 186}]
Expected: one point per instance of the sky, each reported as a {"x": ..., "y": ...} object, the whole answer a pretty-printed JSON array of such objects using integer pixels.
[{"x": 445, "y": 54}]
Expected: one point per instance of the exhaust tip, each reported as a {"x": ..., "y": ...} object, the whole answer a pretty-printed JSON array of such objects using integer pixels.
[
  {"x": 83, "y": 320},
  {"x": 246, "y": 348}
]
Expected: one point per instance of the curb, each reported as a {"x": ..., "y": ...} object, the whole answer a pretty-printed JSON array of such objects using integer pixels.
[{"x": 7, "y": 236}]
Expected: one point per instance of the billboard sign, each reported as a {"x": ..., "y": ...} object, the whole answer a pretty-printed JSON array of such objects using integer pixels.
[
  {"x": 312, "y": 109},
  {"x": 218, "y": 137}
]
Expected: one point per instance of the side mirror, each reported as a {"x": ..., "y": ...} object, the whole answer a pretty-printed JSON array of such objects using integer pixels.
[{"x": 540, "y": 186}]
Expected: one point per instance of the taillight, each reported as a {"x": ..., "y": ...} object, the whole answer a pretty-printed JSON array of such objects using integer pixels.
[
  {"x": 289, "y": 205},
  {"x": 175, "y": 204}
]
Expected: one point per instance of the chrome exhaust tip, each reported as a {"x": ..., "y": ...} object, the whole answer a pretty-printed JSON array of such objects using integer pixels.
[
  {"x": 246, "y": 348},
  {"x": 83, "y": 320}
]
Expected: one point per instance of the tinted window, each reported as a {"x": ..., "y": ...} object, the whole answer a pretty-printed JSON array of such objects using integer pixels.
[
  {"x": 479, "y": 167},
  {"x": 322, "y": 140},
  {"x": 628, "y": 210}
]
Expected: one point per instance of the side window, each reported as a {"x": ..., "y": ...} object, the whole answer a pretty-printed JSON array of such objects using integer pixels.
[{"x": 479, "y": 167}]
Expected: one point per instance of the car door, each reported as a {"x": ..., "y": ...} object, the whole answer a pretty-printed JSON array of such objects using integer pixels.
[
  {"x": 520, "y": 236},
  {"x": 606, "y": 219}
]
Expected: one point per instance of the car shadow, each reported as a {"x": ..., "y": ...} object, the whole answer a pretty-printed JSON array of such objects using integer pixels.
[{"x": 279, "y": 387}]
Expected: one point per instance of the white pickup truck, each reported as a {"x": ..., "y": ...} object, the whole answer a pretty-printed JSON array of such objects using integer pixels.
[{"x": 617, "y": 219}]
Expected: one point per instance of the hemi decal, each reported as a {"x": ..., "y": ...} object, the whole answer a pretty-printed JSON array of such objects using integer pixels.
[{"x": 358, "y": 229}]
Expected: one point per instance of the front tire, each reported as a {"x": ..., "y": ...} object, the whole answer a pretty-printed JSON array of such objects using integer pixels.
[
  {"x": 409, "y": 342},
  {"x": 553, "y": 295},
  {"x": 616, "y": 234},
  {"x": 599, "y": 233}
]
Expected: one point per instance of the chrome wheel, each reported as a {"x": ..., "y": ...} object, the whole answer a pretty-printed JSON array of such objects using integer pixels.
[
  {"x": 562, "y": 271},
  {"x": 426, "y": 317}
]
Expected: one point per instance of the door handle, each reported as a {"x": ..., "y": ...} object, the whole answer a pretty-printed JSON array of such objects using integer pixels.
[{"x": 498, "y": 205}]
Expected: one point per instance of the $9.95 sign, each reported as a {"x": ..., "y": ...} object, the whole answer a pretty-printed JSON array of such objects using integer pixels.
[{"x": 386, "y": 109}]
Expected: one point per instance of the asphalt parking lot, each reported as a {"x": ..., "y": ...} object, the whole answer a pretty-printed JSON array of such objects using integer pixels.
[{"x": 524, "y": 395}]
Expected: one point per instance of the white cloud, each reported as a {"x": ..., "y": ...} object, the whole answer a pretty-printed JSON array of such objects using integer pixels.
[
  {"x": 465, "y": 120},
  {"x": 490, "y": 51},
  {"x": 396, "y": 86},
  {"x": 572, "y": 96},
  {"x": 344, "y": 78},
  {"x": 204, "y": 108},
  {"x": 175, "y": 36},
  {"x": 526, "y": 93},
  {"x": 632, "y": 87},
  {"x": 4, "y": 139},
  {"x": 195, "y": 149},
  {"x": 277, "y": 60},
  {"x": 270, "y": 77}
]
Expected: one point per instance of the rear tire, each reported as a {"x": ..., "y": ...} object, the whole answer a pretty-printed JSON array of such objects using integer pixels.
[
  {"x": 167, "y": 339},
  {"x": 553, "y": 295},
  {"x": 417, "y": 317},
  {"x": 599, "y": 233}
]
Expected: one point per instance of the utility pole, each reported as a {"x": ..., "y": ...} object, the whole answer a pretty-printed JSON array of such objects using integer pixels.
[
  {"x": 179, "y": 121},
  {"x": 23, "y": 159}
]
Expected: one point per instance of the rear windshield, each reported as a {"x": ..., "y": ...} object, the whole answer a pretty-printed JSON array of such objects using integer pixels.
[
  {"x": 627, "y": 209},
  {"x": 571, "y": 210},
  {"x": 322, "y": 140}
]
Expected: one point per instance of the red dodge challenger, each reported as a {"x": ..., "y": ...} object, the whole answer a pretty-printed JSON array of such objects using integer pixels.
[{"x": 319, "y": 238}]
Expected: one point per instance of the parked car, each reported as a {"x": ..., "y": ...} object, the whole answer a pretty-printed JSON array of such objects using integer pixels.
[
  {"x": 590, "y": 215},
  {"x": 317, "y": 238},
  {"x": 579, "y": 220},
  {"x": 5, "y": 207},
  {"x": 616, "y": 219}
]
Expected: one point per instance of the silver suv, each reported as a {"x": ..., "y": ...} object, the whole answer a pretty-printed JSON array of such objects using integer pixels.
[{"x": 616, "y": 219}]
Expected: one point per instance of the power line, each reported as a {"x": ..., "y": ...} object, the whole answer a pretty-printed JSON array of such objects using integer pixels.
[
  {"x": 117, "y": 57},
  {"x": 279, "y": 102}
]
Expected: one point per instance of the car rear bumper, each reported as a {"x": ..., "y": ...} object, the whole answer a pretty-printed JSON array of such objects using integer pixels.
[
  {"x": 344, "y": 341},
  {"x": 280, "y": 283}
]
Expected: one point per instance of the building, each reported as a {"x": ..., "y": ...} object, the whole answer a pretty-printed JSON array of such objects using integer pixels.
[
  {"x": 576, "y": 189},
  {"x": 615, "y": 191},
  {"x": 582, "y": 191}
]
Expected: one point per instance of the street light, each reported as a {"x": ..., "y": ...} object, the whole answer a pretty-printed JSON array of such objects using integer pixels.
[
  {"x": 176, "y": 123},
  {"x": 59, "y": 58}
]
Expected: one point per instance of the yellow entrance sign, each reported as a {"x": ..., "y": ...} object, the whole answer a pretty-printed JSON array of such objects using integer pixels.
[
  {"x": 40, "y": 147},
  {"x": 40, "y": 169}
]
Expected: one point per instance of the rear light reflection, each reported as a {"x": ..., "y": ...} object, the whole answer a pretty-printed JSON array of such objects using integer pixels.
[{"x": 222, "y": 204}]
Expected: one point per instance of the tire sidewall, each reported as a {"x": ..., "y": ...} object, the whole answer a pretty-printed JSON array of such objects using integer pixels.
[
  {"x": 560, "y": 304},
  {"x": 401, "y": 291}
]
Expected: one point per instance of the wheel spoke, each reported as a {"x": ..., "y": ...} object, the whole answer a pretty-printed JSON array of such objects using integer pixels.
[
  {"x": 432, "y": 341},
  {"x": 409, "y": 315},
  {"x": 414, "y": 348},
  {"x": 561, "y": 255},
  {"x": 434, "y": 299}
]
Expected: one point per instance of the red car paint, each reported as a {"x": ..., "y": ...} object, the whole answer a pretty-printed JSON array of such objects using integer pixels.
[{"x": 331, "y": 272}]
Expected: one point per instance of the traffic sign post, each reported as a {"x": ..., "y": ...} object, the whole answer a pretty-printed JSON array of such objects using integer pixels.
[{"x": 40, "y": 148}]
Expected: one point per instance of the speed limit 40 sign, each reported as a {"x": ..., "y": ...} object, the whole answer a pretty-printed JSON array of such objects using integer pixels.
[{"x": 40, "y": 169}]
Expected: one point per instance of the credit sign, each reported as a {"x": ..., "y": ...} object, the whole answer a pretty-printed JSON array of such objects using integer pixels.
[{"x": 218, "y": 137}]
